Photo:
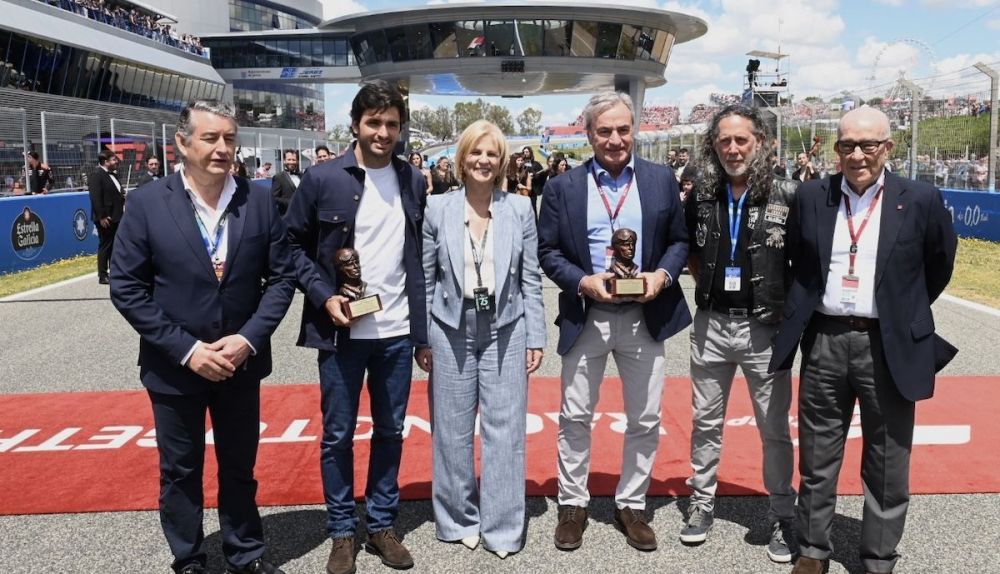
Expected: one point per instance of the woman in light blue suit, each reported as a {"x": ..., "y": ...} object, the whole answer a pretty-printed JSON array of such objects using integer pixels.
[{"x": 487, "y": 333}]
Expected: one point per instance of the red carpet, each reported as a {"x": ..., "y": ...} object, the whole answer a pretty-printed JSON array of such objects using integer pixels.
[{"x": 85, "y": 452}]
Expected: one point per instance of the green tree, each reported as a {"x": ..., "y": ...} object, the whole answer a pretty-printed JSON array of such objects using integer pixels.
[
  {"x": 530, "y": 121},
  {"x": 500, "y": 116}
]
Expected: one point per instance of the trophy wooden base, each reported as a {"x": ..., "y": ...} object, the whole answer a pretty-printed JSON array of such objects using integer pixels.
[
  {"x": 363, "y": 306},
  {"x": 633, "y": 287}
]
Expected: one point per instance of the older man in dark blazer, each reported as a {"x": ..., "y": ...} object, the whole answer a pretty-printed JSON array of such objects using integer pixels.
[
  {"x": 870, "y": 253},
  {"x": 202, "y": 271},
  {"x": 581, "y": 209}
]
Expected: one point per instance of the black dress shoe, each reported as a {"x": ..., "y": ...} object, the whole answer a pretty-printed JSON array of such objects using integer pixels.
[
  {"x": 258, "y": 566},
  {"x": 104, "y": 280},
  {"x": 192, "y": 568}
]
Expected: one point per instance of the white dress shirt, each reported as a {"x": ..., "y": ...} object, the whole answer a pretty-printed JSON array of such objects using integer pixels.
[{"x": 864, "y": 264}]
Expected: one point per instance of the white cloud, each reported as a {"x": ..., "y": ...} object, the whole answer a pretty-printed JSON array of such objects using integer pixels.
[
  {"x": 964, "y": 4},
  {"x": 337, "y": 8},
  {"x": 895, "y": 3},
  {"x": 993, "y": 24},
  {"x": 961, "y": 61}
]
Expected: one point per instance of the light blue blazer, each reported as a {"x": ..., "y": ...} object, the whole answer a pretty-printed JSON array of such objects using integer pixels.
[{"x": 515, "y": 254}]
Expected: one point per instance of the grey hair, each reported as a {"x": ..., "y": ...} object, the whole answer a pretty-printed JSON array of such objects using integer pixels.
[
  {"x": 603, "y": 102},
  {"x": 759, "y": 173},
  {"x": 214, "y": 107}
]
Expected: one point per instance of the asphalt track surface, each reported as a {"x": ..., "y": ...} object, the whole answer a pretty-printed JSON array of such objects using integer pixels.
[{"x": 70, "y": 338}]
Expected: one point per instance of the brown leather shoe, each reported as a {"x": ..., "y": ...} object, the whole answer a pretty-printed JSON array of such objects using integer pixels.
[
  {"x": 806, "y": 565},
  {"x": 572, "y": 523},
  {"x": 342, "y": 555},
  {"x": 638, "y": 534},
  {"x": 386, "y": 545}
]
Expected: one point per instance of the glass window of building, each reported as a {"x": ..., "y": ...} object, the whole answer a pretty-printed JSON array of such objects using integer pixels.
[
  {"x": 501, "y": 40},
  {"x": 608, "y": 36},
  {"x": 661, "y": 50},
  {"x": 584, "y": 42},
  {"x": 470, "y": 38},
  {"x": 398, "y": 48},
  {"x": 529, "y": 34},
  {"x": 557, "y": 37},
  {"x": 443, "y": 44}
]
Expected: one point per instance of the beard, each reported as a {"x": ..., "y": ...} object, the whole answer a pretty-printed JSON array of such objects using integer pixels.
[{"x": 737, "y": 171}]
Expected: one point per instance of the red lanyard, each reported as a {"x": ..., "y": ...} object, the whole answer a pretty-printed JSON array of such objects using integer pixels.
[
  {"x": 613, "y": 217},
  {"x": 855, "y": 237}
]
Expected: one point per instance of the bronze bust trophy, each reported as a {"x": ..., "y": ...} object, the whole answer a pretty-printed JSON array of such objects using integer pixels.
[
  {"x": 348, "y": 266},
  {"x": 626, "y": 281}
]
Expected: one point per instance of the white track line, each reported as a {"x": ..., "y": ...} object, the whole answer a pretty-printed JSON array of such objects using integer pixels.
[
  {"x": 44, "y": 288},
  {"x": 971, "y": 305}
]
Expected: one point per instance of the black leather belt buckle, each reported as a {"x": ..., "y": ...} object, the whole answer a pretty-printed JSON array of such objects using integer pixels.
[{"x": 735, "y": 313}]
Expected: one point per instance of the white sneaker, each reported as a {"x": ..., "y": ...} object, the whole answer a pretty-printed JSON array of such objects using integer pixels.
[
  {"x": 471, "y": 542},
  {"x": 502, "y": 554}
]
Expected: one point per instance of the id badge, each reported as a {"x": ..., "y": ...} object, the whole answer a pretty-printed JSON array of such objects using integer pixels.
[
  {"x": 732, "y": 279},
  {"x": 484, "y": 302},
  {"x": 849, "y": 289},
  {"x": 609, "y": 257}
]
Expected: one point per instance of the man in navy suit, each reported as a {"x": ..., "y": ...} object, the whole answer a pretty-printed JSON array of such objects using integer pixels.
[
  {"x": 870, "y": 252},
  {"x": 372, "y": 201},
  {"x": 202, "y": 271},
  {"x": 580, "y": 211}
]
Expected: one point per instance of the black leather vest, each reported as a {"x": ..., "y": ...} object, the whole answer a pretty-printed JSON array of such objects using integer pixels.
[{"x": 768, "y": 273}]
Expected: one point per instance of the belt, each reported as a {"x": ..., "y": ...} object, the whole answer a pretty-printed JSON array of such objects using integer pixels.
[
  {"x": 855, "y": 323},
  {"x": 733, "y": 312}
]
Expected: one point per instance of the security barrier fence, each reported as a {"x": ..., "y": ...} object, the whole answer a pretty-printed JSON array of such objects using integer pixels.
[
  {"x": 70, "y": 144},
  {"x": 13, "y": 161}
]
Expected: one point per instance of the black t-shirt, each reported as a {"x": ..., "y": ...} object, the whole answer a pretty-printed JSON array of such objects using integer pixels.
[
  {"x": 732, "y": 299},
  {"x": 38, "y": 180}
]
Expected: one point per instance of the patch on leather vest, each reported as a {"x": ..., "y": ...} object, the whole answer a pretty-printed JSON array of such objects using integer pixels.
[
  {"x": 776, "y": 214},
  {"x": 775, "y": 236}
]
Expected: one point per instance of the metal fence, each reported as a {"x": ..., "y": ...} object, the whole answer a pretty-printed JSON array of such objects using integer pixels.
[
  {"x": 133, "y": 142},
  {"x": 70, "y": 144},
  {"x": 945, "y": 128},
  {"x": 13, "y": 145}
]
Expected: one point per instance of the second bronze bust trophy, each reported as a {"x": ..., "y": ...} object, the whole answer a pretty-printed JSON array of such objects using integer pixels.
[
  {"x": 626, "y": 281},
  {"x": 348, "y": 266}
]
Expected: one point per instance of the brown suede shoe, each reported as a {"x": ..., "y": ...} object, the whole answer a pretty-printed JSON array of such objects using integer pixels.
[
  {"x": 342, "y": 555},
  {"x": 638, "y": 534},
  {"x": 806, "y": 565},
  {"x": 572, "y": 523},
  {"x": 386, "y": 545}
]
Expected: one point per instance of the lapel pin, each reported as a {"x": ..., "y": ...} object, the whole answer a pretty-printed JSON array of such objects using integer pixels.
[{"x": 899, "y": 207}]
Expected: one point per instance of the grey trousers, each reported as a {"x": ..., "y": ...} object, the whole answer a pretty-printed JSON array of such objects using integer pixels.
[
  {"x": 719, "y": 344},
  {"x": 839, "y": 367},
  {"x": 480, "y": 366},
  {"x": 618, "y": 330}
]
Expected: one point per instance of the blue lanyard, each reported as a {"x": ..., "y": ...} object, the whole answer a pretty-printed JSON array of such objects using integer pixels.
[
  {"x": 734, "y": 220},
  {"x": 211, "y": 246}
]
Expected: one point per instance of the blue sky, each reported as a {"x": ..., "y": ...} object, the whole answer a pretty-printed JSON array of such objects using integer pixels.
[{"x": 833, "y": 45}]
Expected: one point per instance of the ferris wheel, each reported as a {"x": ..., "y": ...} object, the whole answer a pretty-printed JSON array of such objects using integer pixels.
[{"x": 916, "y": 60}]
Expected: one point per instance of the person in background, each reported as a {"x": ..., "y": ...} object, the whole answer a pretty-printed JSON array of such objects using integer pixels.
[
  {"x": 151, "y": 173},
  {"x": 687, "y": 186},
  {"x": 284, "y": 184},
  {"x": 39, "y": 179},
  {"x": 262, "y": 172},
  {"x": 518, "y": 178},
  {"x": 486, "y": 334},
  {"x": 562, "y": 166},
  {"x": 322, "y": 154},
  {"x": 805, "y": 170},
  {"x": 442, "y": 178},
  {"x": 417, "y": 161},
  {"x": 107, "y": 204}
]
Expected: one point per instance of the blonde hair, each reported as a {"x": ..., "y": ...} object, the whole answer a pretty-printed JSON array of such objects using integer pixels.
[{"x": 470, "y": 137}]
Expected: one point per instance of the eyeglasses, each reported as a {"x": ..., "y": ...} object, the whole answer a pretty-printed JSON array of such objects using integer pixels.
[{"x": 867, "y": 147}]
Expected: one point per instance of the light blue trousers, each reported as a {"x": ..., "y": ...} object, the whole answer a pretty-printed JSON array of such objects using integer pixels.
[{"x": 478, "y": 365}]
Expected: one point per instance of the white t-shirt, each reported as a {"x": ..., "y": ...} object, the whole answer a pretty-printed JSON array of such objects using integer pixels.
[{"x": 379, "y": 235}]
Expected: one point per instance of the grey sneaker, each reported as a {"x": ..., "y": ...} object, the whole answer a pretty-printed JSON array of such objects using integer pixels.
[
  {"x": 697, "y": 527},
  {"x": 781, "y": 547}
]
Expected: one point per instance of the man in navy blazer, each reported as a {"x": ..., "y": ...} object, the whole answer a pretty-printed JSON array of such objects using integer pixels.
[
  {"x": 580, "y": 210},
  {"x": 372, "y": 201},
  {"x": 870, "y": 252},
  {"x": 201, "y": 269}
]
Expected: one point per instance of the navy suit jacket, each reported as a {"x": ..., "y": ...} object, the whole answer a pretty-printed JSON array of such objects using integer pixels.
[
  {"x": 564, "y": 252},
  {"x": 320, "y": 221},
  {"x": 163, "y": 283},
  {"x": 913, "y": 264}
]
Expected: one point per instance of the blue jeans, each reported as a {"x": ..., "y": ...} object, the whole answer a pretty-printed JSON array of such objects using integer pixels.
[{"x": 389, "y": 363}]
